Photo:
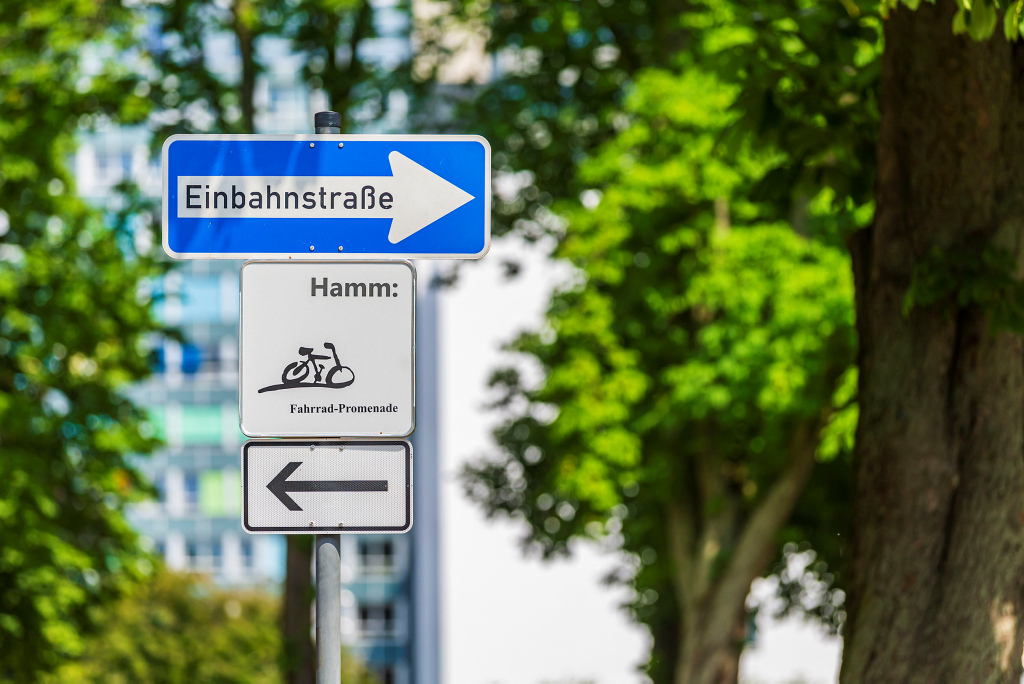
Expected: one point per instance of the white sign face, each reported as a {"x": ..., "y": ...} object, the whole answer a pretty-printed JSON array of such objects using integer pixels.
[
  {"x": 294, "y": 487},
  {"x": 327, "y": 349}
]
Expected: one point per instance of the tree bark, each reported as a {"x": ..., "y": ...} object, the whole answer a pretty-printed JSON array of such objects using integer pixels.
[
  {"x": 299, "y": 654},
  {"x": 242, "y": 23},
  {"x": 339, "y": 80},
  {"x": 936, "y": 588},
  {"x": 712, "y": 601}
]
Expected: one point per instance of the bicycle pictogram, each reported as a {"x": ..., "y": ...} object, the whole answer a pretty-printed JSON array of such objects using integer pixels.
[{"x": 296, "y": 372}]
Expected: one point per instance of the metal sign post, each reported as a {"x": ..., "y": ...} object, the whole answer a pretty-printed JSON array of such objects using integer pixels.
[
  {"x": 328, "y": 546},
  {"x": 328, "y": 330},
  {"x": 328, "y": 608}
]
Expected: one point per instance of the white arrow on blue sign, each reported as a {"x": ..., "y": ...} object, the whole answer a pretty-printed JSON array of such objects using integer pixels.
[{"x": 326, "y": 196}]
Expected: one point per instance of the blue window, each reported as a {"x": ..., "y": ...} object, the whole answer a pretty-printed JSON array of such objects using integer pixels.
[
  {"x": 200, "y": 300},
  {"x": 377, "y": 620},
  {"x": 246, "y": 554},
  {"x": 191, "y": 358},
  {"x": 156, "y": 360},
  {"x": 191, "y": 489}
]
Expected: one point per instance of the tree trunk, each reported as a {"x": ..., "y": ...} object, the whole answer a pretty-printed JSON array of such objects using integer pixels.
[
  {"x": 299, "y": 655},
  {"x": 712, "y": 658},
  {"x": 712, "y": 600},
  {"x": 243, "y": 24},
  {"x": 339, "y": 80},
  {"x": 936, "y": 590}
]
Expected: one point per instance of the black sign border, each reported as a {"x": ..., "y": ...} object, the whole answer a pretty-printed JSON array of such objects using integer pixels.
[{"x": 327, "y": 443}]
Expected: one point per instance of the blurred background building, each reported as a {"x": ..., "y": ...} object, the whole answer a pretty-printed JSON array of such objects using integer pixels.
[{"x": 390, "y": 598}]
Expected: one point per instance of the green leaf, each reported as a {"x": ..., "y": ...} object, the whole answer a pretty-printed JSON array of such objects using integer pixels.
[
  {"x": 1012, "y": 20},
  {"x": 960, "y": 22},
  {"x": 983, "y": 19}
]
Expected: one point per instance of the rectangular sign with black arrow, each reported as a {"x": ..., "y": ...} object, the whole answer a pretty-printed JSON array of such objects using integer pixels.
[{"x": 304, "y": 487}]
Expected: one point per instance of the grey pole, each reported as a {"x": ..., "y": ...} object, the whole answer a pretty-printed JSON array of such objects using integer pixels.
[
  {"x": 328, "y": 609},
  {"x": 328, "y": 546},
  {"x": 327, "y": 122}
]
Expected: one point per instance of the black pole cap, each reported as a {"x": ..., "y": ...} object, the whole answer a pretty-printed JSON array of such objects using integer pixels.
[{"x": 327, "y": 120}]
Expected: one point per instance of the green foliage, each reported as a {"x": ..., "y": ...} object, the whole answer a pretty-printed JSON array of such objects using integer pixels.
[
  {"x": 329, "y": 35},
  {"x": 567, "y": 68},
  {"x": 194, "y": 93},
  {"x": 699, "y": 333},
  {"x": 178, "y": 629},
  {"x": 982, "y": 275},
  {"x": 976, "y": 18},
  {"x": 974, "y": 273},
  {"x": 668, "y": 146},
  {"x": 837, "y": 435},
  {"x": 73, "y": 321},
  {"x": 673, "y": 149},
  {"x": 1013, "y": 19},
  {"x": 807, "y": 74},
  {"x": 175, "y": 629},
  {"x": 809, "y": 78}
]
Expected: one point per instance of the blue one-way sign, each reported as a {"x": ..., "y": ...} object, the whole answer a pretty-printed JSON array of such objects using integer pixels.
[{"x": 326, "y": 196}]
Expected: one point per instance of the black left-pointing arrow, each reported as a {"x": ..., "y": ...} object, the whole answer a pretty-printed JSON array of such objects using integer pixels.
[{"x": 280, "y": 486}]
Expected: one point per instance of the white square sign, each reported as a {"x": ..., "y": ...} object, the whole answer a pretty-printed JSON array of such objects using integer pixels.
[{"x": 327, "y": 349}]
